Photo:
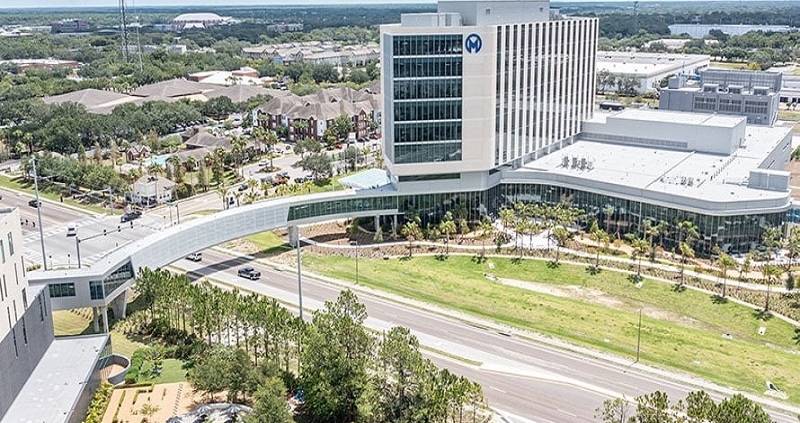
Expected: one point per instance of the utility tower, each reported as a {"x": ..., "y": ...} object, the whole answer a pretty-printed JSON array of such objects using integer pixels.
[
  {"x": 635, "y": 17},
  {"x": 123, "y": 27}
]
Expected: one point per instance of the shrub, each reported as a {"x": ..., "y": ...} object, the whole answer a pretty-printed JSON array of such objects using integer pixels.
[{"x": 99, "y": 404}]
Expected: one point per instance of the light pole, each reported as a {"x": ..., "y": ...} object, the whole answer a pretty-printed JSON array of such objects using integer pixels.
[
  {"x": 299, "y": 273},
  {"x": 355, "y": 243},
  {"x": 639, "y": 336},
  {"x": 78, "y": 250},
  {"x": 39, "y": 211}
]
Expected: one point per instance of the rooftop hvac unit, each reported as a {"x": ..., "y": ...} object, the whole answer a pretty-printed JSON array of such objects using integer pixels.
[
  {"x": 565, "y": 161},
  {"x": 760, "y": 90},
  {"x": 690, "y": 182},
  {"x": 590, "y": 165},
  {"x": 574, "y": 162},
  {"x": 583, "y": 163}
]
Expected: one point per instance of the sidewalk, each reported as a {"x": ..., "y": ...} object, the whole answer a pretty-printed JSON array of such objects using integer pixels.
[{"x": 47, "y": 200}]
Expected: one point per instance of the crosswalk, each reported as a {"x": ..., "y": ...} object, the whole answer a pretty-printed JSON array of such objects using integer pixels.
[{"x": 62, "y": 251}]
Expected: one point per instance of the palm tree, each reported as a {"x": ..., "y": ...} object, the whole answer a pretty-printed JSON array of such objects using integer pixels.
[
  {"x": 650, "y": 231},
  {"x": 175, "y": 164},
  {"x": 640, "y": 248},
  {"x": 507, "y": 216},
  {"x": 485, "y": 231},
  {"x": 600, "y": 237},
  {"x": 725, "y": 262},
  {"x": 561, "y": 234},
  {"x": 608, "y": 211},
  {"x": 155, "y": 169},
  {"x": 686, "y": 251},
  {"x": 412, "y": 232},
  {"x": 447, "y": 227},
  {"x": 770, "y": 272}
]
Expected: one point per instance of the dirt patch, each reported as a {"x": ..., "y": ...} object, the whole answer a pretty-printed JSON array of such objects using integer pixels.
[
  {"x": 794, "y": 169},
  {"x": 596, "y": 296}
]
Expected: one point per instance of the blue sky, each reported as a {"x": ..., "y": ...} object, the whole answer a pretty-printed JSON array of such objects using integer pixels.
[{"x": 113, "y": 3}]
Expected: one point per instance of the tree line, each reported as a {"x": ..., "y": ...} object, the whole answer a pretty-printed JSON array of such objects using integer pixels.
[
  {"x": 253, "y": 347},
  {"x": 697, "y": 407}
]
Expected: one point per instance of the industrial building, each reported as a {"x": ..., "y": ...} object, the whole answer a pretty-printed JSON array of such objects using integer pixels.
[
  {"x": 648, "y": 69},
  {"x": 755, "y": 95}
]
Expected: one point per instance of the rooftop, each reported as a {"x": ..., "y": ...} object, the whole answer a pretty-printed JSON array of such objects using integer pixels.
[
  {"x": 683, "y": 177},
  {"x": 636, "y": 63},
  {"x": 667, "y": 116},
  {"x": 55, "y": 384}
]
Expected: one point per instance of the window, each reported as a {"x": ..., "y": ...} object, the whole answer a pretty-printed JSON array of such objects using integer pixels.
[
  {"x": 96, "y": 290},
  {"x": 24, "y": 331},
  {"x": 10, "y": 245},
  {"x": 439, "y": 177},
  {"x": 24, "y": 299},
  {"x": 58, "y": 290},
  {"x": 14, "y": 335},
  {"x": 2, "y": 251}
]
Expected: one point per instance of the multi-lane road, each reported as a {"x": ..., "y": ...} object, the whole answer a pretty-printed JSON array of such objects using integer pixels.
[{"x": 520, "y": 377}]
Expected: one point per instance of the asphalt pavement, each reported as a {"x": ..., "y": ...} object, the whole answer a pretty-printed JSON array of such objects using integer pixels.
[{"x": 519, "y": 376}]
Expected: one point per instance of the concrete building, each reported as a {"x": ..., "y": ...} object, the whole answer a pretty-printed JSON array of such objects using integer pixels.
[
  {"x": 648, "y": 69},
  {"x": 149, "y": 191},
  {"x": 36, "y": 384},
  {"x": 732, "y": 92},
  {"x": 482, "y": 84},
  {"x": 199, "y": 21}
]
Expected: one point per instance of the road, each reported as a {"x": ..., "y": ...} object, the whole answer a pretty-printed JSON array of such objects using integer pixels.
[{"x": 522, "y": 377}]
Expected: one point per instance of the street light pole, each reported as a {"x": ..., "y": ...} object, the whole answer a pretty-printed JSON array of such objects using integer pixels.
[
  {"x": 178, "y": 212},
  {"x": 639, "y": 336},
  {"x": 355, "y": 244},
  {"x": 299, "y": 273},
  {"x": 39, "y": 211},
  {"x": 78, "y": 250}
]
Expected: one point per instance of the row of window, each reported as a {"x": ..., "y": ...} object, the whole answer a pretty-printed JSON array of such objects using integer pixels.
[
  {"x": 10, "y": 247},
  {"x": 423, "y": 178},
  {"x": 59, "y": 290},
  {"x": 427, "y": 152},
  {"x": 350, "y": 205},
  {"x": 426, "y": 45},
  {"x": 430, "y": 88},
  {"x": 426, "y": 131},
  {"x": 427, "y": 110},
  {"x": 427, "y": 67}
]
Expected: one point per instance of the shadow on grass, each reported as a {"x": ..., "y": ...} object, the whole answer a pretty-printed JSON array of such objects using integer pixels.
[
  {"x": 678, "y": 288},
  {"x": 718, "y": 299},
  {"x": 516, "y": 260},
  {"x": 552, "y": 264},
  {"x": 441, "y": 257},
  {"x": 478, "y": 259},
  {"x": 762, "y": 315},
  {"x": 593, "y": 270},
  {"x": 405, "y": 258},
  {"x": 273, "y": 251},
  {"x": 634, "y": 279}
]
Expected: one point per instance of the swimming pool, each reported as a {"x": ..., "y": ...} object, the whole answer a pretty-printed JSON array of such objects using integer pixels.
[{"x": 161, "y": 160}]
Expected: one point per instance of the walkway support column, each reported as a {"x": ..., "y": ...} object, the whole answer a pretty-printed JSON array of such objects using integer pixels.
[
  {"x": 294, "y": 239},
  {"x": 120, "y": 305},
  {"x": 104, "y": 309},
  {"x": 95, "y": 320}
]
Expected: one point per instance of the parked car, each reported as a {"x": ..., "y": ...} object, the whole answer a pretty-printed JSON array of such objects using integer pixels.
[
  {"x": 72, "y": 229},
  {"x": 195, "y": 257},
  {"x": 249, "y": 273},
  {"x": 263, "y": 162},
  {"x": 242, "y": 187},
  {"x": 34, "y": 203},
  {"x": 131, "y": 215}
]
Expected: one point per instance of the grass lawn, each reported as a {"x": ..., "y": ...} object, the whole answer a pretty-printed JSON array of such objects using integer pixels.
[
  {"x": 67, "y": 323},
  {"x": 680, "y": 330},
  {"x": 729, "y": 65},
  {"x": 268, "y": 242},
  {"x": 788, "y": 115},
  {"x": 17, "y": 184},
  {"x": 171, "y": 371}
]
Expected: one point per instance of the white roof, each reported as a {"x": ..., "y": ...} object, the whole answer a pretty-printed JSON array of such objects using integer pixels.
[
  {"x": 661, "y": 176},
  {"x": 53, "y": 389},
  {"x": 646, "y": 64},
  {"x": 669, "y": 116},
  {"x": 198, "y": 17}
]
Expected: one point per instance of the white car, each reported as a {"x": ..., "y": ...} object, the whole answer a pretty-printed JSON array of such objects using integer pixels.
[
  {"x": 72, "y": 230},
  {"x": 195, "y": 257}
]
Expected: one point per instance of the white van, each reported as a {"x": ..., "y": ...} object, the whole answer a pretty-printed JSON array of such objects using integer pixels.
[{"x": 72, "y": 229}]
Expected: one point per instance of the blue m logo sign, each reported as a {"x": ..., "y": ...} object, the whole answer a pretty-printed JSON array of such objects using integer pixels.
[{"x": 473, "y": 43}]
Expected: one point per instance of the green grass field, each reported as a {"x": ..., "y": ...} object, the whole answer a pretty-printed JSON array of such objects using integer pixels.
[
  {"x": 729, "y": 65},
  {"x": 171, "y": 371},
  {"x": 680, "y": 330},
  {"x": 268, "y": 242},
  {"x": 789, "y": 115},
  {"x": 67, "y": 323}
]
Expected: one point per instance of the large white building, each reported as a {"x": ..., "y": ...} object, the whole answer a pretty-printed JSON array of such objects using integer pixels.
[
  {"x": 648, "y": 69},
  {"x": 42, "y": 379},
  {"x": 482, "y": 84}
]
